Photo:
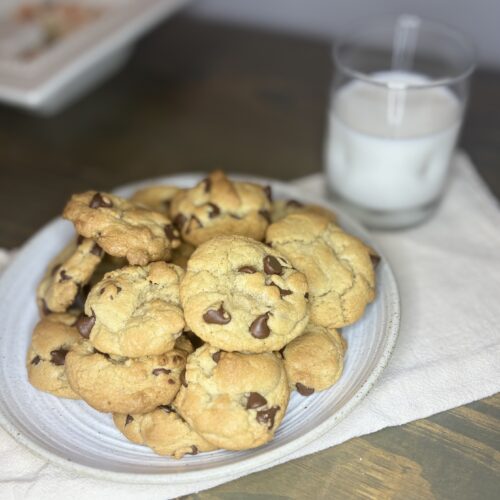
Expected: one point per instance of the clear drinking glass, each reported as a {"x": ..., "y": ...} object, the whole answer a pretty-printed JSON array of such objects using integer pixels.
[{"x": 398, "y": 99}]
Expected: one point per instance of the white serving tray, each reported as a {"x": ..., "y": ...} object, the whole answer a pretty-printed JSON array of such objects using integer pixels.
[{"x": 84, "y": 58}]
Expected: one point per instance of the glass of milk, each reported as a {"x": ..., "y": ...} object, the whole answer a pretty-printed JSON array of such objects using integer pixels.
[{"x": 397, "y": 105}]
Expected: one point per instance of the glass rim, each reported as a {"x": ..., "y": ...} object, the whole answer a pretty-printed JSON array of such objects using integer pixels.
[{"x": 358, "y": 28}]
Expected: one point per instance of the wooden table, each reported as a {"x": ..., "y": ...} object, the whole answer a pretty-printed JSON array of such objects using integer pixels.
[{"x": 197, "y": 96}]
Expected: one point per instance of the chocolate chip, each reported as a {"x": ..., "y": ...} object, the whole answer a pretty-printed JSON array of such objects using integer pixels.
[
  {"x": 158, "y": 371},
  {"x": 96, "y": 250},
  {"x": 266, "y": 215},
  {"x": 272, "y": 265},
  {"x": 36, "y": 360},
  {"x": 247, "y": 269},
  {"x": 375, "y": 258},
  {"x": 102, "y": 290},
  {"x": 259, "y": 328},
  {"x": 57, "y": 357},
  {"x": 214, "y": 210},
  {"x": 208, "y": 184},
  {"x": 46, "y": 311},
  {"x": 182, "y": 378},
  {"x": 171, "y": 381},
  {"x": 294, "y": 203},
  {"x": 194, "y": 450},
  {"x": 217, "y": 317},
  {"x": 167, "y": 408},
  {"x": 267, "y": 416},
  {"x": 170, "y": 232},
  {"x": 283, "y": 293},
  {"x": 303, "y": 389},
  {"x": 129, "y": 419},
  {"x": 64, "y": 276},
  {"x": 85, "y": 325},
  {"x": 98, "y": 201},
  {"x": 179, "y": 221},
  {"x": 306, "y": 295},
  {"x": 216, "y": 356},
  {"x": 80, "y": 239},
  {"x": 55, "y": 269},
  {"x": 269, "y": 193},
  {"x": 255, "y": 400},
  {"x": 118, "y": 289}
]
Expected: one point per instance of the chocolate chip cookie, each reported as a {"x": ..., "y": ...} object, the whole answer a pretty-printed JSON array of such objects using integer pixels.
[
  {"x": 314, "y": 361},
  {"x": 217, "y": 206},
  {"x": 124, "y": 385},
  {"x": 122, "y": 228},
  {"x": 337, "y": 265},
  {"x": 156, "y": 198},
  {"x": 67, "y": 276},
  {"x": 235, "y": 401},
  {"x": 135, "y": 311},
  {"x": 53, "y": 337},
  {"x": 163, "y": 430},
  {"x": 240, "y": 295}
]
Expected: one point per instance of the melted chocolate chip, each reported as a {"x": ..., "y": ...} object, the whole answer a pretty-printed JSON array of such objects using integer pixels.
[
  {"x": 96, "y": 250},
  {"x": 294, "y": 203},
  {"x": 98, "y": 201},
  {"x": 36, "y": 360},
  {"x": 64, "y": 276},
  {"x": 182, "y": 378},
  {"x": 129, "y": 419},
  {"x": 170, "y": 232},
  {"x": 375, "y": 258},
  {"x": 266, "y": 215},
  {"x": 194, "y": 450},
  {"x": 207, "y": 183},
  {"x": 303, "y": 389},
  {"x": 217, "y": 317},
  {"x": 216, "y": 356},
  {"x": 57, "y": 357},
  {"x": 167, "y": 408},
  {"x": 85, "y": 325},
  {"x": 306, "y": 295},
  {"x": 159, "y": 371},
  {"x": 214, "y": 210},
  {"x": 267, "y": 416},
  {"x": 269, "y": 193},
  {"x": 179, "y": 221},
  {"x": 272, "y": 265},
  {"x": 55, "y": 269},
  {"x": 247, "y": 269},
  {"x": 283, "y": 293},
  {"x": 255, "y": 400},
  {"x": 259, "y": 328}
]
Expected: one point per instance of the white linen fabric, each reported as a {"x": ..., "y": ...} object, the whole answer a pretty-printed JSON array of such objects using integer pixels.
[{"x": 447, "y": 355}]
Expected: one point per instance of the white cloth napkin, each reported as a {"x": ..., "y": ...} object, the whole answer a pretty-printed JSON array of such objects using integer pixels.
[{"x": 447, "y": 354}]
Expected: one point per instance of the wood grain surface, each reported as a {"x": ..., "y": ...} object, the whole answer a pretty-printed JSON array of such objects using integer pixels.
[{"x": 199, "y": 95}]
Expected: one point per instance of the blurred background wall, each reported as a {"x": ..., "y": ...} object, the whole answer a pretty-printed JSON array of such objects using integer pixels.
[{"x": 480, "y": 19}]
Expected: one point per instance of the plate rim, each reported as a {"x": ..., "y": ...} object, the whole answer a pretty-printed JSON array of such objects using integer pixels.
[{"x": 275, "y": 456}]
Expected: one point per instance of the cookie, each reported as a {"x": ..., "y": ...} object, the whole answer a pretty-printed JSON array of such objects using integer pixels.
[
  {"x": 156, "y": 198},
  {"x": 337, "y": 265},
  {"x": 281, "y": 208},
  {"x": 68, "y": 275},
  {"x": 124, "y": 385},
  {"x": 217, "y": 206},
  {"x": 235, "y": 401},
  {"x": 53, "y": 337},
  {"x": 163, "y": 430},
  {"x": 135, "y": 311},
  {"x": 314, "y": 361},
  {"x": 240, "y": 295},
  {"x": 122, "y": 228}
]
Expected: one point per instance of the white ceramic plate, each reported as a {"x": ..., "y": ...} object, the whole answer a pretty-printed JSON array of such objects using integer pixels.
[{"x": 75, "y": 436}]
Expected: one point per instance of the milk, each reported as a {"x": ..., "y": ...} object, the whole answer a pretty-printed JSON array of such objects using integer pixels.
[{"x": 389, "y": 147}]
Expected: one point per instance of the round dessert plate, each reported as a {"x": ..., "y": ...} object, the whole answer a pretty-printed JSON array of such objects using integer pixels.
[{"x": 74, "y": 435}]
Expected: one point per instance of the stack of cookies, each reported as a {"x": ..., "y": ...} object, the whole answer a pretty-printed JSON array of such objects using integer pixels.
[{"x": 191, "y": 314}]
